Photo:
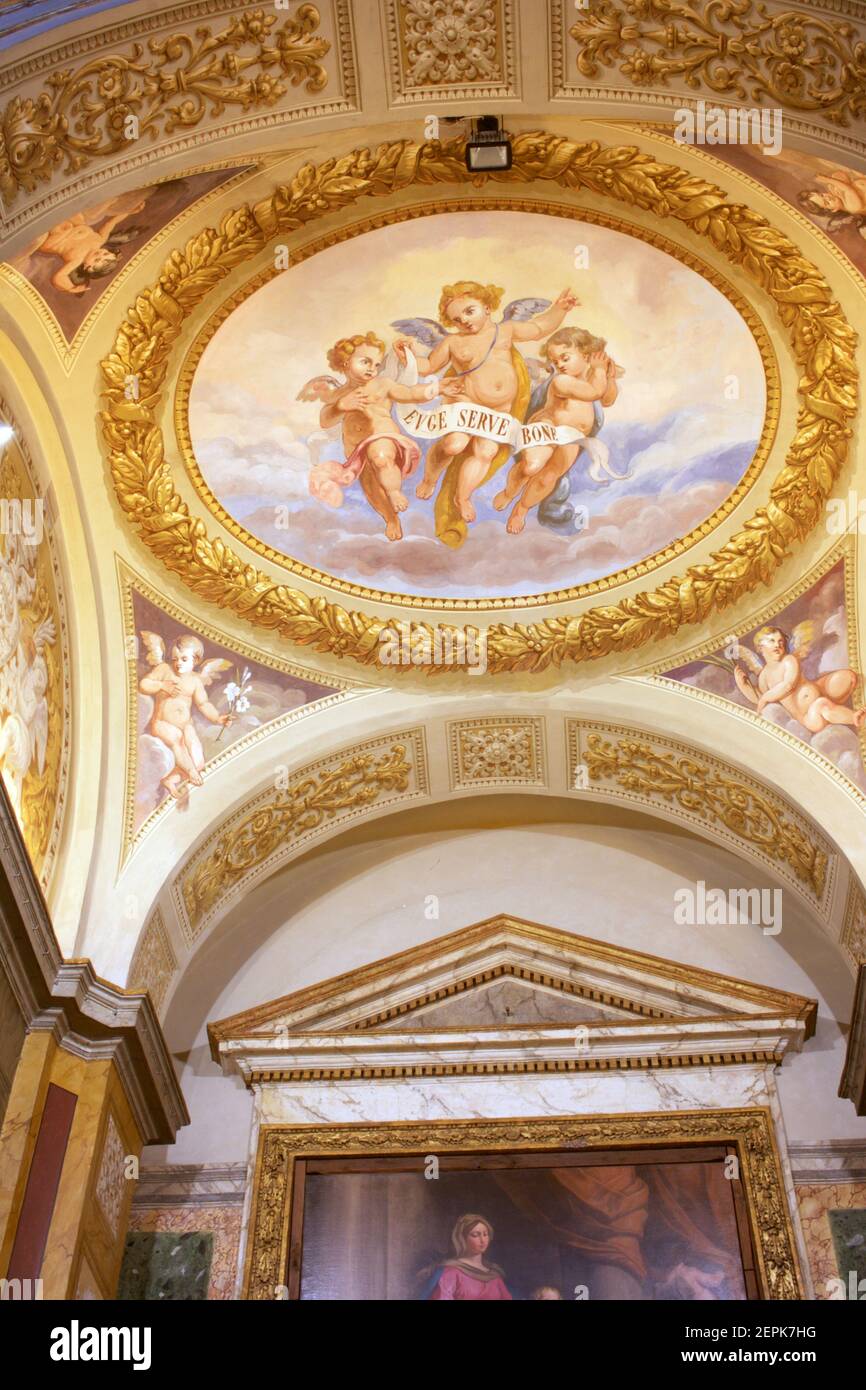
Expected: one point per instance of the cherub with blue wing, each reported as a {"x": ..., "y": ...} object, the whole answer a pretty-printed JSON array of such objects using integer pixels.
[{"x": 483, "y": 367}]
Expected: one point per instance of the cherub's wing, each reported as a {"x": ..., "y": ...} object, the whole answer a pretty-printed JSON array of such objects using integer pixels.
[
  {"x": 750, "y": 659},
  {"x": 154, "y": 648},
  {"x": 521, "y": 309},
  {"x": 427, "y": 331},
  {"x": 318, "y": 388},
  {"x": 539, "y": 371},
  {"x": 802, "y": 638},
  {"x": 209, "y": 670}
]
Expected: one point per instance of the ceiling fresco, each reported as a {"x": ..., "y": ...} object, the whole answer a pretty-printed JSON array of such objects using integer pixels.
[
  {"x": 831, "y": 195},
  {"x": 364, "y": 439},
  {"x": 77, "y": 260},
  {"x": 806, "y": 658},
  {"x": 195, "y": 697}
]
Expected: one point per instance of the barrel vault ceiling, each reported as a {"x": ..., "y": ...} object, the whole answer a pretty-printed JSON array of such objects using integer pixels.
[{"x": 199, "y": 203}]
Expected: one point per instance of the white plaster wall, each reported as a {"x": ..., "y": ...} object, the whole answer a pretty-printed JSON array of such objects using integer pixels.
[{"x": 359, "y": 902}]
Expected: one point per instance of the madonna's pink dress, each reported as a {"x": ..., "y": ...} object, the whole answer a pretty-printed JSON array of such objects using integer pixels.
[{"x": 458, "y": 1282}]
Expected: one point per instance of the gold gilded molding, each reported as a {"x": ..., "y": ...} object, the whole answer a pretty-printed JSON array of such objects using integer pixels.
[
  {"x": 821, "y": 339},
  {"x": 171, "y": 84},
  {"x": 716, "y": 796},
  {"x": 853, "y": 935},
  {"x": 750, "y": 1130},
  {"x": 415, "y": 635},
  {"x": 262, "y": 832},
  {"x": 154, "y": 963},
  {"x": 804, "y": 62}
]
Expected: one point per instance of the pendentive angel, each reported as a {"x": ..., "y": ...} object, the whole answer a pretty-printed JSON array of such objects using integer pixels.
[
  {"x": 777, "y": 669},
  {"x": 175, "y": 687}
]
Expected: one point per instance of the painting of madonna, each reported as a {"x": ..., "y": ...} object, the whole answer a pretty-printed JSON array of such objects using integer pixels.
[
  {"x": 638, "y": 1224},
  {"x": 469, "y": 1275}
]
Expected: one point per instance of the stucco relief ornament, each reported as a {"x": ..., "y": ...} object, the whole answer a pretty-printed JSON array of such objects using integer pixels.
[
  {"x": 172, "y": 84},
  {"x": 736, "y": 49},
  {"x": 450, "y": 40}
]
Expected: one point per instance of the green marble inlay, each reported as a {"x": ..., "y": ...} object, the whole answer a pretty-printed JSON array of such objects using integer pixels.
[
  {"x": 848, "y": 1228},
  {"x": 165, "y": 1265}
]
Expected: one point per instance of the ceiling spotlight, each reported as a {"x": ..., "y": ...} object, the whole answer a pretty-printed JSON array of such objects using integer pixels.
[{"x": 488, "y": 148}]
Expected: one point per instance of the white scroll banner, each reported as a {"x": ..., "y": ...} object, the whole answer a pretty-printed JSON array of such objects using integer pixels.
[{"x": 460, "y": 417}]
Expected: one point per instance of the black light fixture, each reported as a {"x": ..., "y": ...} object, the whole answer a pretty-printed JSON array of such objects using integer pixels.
[{"x": 489, "y": 148}]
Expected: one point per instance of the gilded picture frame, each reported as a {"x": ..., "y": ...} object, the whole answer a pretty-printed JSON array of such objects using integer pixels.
[{"x": 748, "y": 1132}]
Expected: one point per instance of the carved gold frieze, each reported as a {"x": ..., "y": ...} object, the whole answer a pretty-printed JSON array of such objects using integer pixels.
[
  {"x": 262, "y": 832},
  {"x": 644, "y": 768},
  {"x": 744, "y": 51},
  {"x": 821, "y": 340},
  {"x": 154, "y": 964},
  {"x": 750, "y": 1130},
  {"x": 170, "y": 84},
  {"x": 486, "y": 752},
  {"x": 854, "y": 924}
]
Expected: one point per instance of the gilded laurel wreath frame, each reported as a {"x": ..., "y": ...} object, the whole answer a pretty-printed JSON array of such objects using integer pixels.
[
  {"x": 750, "y": 1130},
  {"x": 821, "y": 340},
  {"x": 652, "y": 562}
]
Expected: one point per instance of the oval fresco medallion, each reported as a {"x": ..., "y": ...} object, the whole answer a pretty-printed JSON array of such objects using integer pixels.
[{"x": 479, "y": 406}]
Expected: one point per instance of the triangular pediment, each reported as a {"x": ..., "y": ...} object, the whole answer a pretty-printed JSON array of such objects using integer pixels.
[{"x": 507, "y": 981}]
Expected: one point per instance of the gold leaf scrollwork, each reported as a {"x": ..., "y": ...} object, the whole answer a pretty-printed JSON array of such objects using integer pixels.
[
  {"x": 304, "y": 806},
  {"x": 821, "y": 339},
  {"x": 701, "y": 789},
  {"x": 750, "y": 1130},
  {"x": 172, "y": 85},
  {"x": 735, "y": 49}
]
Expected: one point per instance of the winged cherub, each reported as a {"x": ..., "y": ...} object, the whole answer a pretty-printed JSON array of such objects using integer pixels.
[
  {"x": 482, "y": 367},
  {"x": 376, "y": 450},
  {"x": 175, "y": 688},
  {"x": 814, "y": 704}
]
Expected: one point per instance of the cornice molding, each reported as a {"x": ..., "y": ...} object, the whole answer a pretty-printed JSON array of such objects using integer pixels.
[{"x": 85, "y": 1014}]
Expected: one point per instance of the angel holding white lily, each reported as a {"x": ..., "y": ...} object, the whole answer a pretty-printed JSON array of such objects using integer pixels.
[
  {"x": 175, "y": 688},
  {"x": 815, "y": 704}
]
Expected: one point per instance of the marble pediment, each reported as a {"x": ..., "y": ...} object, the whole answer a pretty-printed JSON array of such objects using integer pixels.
[{"x": 507, "y": 994}]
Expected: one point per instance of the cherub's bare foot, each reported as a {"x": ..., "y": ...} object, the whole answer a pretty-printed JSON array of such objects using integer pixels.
[
  {"x": 174, "y": 786},
  {"x": 196, "y": 779},
  {"x": 425, "y": 489},
  {"x": 502, "y": 499},
  {"x": 393, "y": 530},
  {"x": 516, "y": 521},
  {"x": 466, "y": 510},
  {"x": 399, "y": 501}
]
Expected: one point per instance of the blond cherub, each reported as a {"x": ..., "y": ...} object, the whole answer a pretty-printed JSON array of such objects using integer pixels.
[
  {"x": 583, "y": 374},
  {"x": 175, "y": 689},
  {"x": 814, "y": 704},
  {"x": 482, "y": 367},
  {"x": 376, "y": 450}
]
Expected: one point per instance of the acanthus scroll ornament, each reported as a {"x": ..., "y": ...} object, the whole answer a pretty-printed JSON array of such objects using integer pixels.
[{"x": 87, "y": 113}]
